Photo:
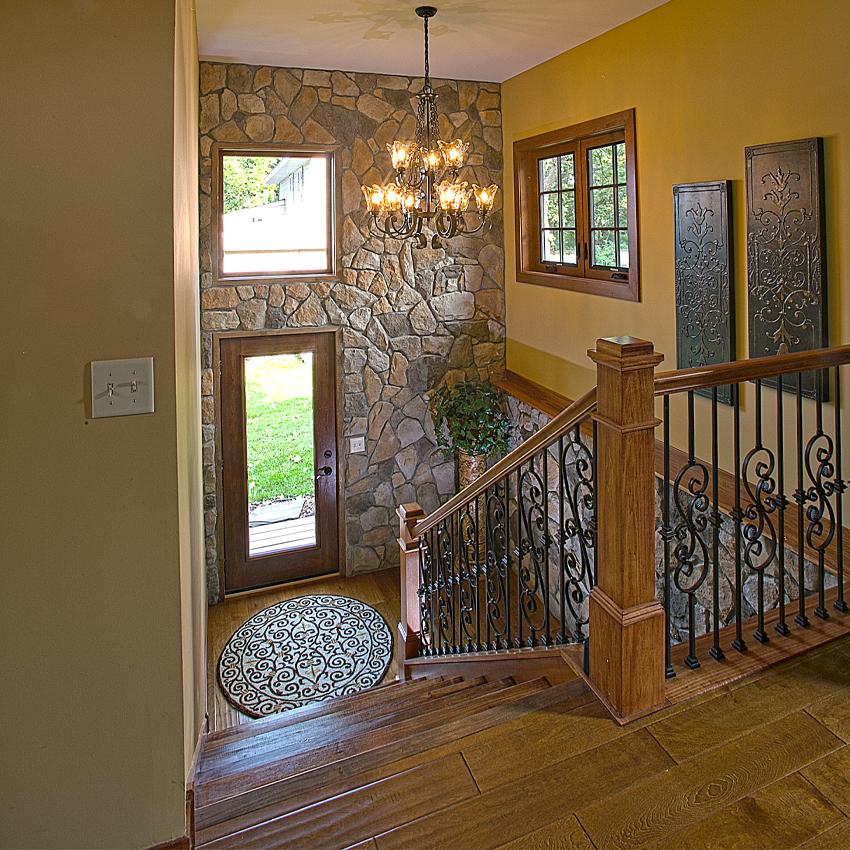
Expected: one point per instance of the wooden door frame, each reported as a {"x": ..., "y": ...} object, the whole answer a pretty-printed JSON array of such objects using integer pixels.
[{"x": 217, "y": 338}]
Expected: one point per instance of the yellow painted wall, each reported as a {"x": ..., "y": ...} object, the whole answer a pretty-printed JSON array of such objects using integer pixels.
[
  {"x": 99, "y": 600},
  {"x": 706, "y": 79}
]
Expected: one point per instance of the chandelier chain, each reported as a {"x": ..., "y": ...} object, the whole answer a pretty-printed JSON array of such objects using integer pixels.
[{"x": 427, "y": 62}]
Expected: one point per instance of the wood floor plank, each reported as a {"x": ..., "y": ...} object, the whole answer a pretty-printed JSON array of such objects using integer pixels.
[
  {"x": 359, "y": 814},
  {"x": 834, "y": 713},
  {"x": 831, "y": 776},
  {"x": 837, "y": 838},
  {"x": 783, "y": 814},
  {"x": 695, "y": 789},
  {"x": 509, "y": 811},
  {"x": 540, "y": 741},
  {"x": 734, "y": 711},
  {"x": 290, "y": 792},
  {"x": 563, "y": 834}
]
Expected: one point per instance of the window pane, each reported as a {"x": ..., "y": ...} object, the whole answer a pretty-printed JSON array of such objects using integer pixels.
[
  {"x": 279, "y": 448},
  {"x": 602, "y": 166},
  {"x": 568, "y": 209},
  {"x": 624, "y": 249},
  {"x": 622, "y": 202},
  {"x": 602, "y": 207},
  {"x": 570, "y": 256},
  {"x": 602, "y": 248},
  {"x": 551, "y": 246},
  {"x": 275, "y": 214},
  {"x": 549, "y": 210},
  {"x": 549, "y": 174},
  {"x": 621, "y": 163},
  {"x": 568, "y": 171}
]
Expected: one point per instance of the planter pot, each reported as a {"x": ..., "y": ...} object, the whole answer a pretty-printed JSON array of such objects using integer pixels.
[{"x": 469, "y": 468}]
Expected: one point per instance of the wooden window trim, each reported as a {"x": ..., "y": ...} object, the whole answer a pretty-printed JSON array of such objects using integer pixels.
[
  {"x": 578, "y": 138},
  {"x": 220, "y": 150}
]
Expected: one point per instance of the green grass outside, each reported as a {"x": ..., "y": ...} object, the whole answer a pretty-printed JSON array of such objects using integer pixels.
[{"x": 279, "y": 427}]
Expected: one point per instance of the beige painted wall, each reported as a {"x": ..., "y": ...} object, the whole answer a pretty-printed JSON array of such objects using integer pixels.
[
  {"x": 97, "y": 549},
  {"x": 706, "y": 80}
]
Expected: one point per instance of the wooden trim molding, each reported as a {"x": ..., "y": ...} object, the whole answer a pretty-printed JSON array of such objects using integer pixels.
[{"x": 578, "y": 140}]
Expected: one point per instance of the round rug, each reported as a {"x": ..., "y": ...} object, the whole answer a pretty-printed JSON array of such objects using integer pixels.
[{"x": 304, "y": 650}]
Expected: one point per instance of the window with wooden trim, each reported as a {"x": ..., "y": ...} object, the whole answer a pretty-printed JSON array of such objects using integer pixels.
[
  {"x": 273, "y": 212},
  {"x": 576, "y": 208}
]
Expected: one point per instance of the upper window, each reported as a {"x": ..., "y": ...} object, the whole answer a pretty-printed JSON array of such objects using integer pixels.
[
  {"x": 273, "y": 213},
  {"x": 576, "y": 208}
]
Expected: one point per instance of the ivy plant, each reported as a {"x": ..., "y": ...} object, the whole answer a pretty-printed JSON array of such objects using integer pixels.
[{"x": 470, "y": 416}]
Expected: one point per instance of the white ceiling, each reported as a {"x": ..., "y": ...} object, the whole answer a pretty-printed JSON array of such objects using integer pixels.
[{"x": 470, "y": 39}]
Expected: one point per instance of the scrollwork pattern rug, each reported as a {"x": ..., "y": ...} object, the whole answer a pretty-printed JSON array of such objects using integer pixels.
[{"x": 304, "y": 650}]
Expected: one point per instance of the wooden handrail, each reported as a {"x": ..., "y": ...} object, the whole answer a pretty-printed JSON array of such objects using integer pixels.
[
  {"x": 718, "y": 375},
  {"x": 550, "y": 432}
]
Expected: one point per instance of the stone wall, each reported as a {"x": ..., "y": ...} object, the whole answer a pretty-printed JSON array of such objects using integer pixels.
[{"x": 410, "y": 318}]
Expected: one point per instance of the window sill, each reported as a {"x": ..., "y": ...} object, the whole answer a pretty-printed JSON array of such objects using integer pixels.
[
  {"x": 624, "y": 290},
  {"x": 247, "y": 280}
]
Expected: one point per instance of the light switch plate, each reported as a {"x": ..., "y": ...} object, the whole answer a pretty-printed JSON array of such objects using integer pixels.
[
  {"x": 357, "y": 445},
  {"x": 121, "y": 387}
]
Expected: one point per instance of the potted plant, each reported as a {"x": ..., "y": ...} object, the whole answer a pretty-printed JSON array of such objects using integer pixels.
[{"x": 470, "y": 417}]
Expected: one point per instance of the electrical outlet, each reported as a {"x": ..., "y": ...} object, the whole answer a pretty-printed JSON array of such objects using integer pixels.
[
  {"x": 356, "y": 445},
  {"x": 121, "y": 387}
]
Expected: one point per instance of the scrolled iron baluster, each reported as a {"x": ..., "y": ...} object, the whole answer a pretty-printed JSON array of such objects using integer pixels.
[
  {"x": 800, "y": 496},
  {"x": 445, "y": 614},
  {"x": 468, "y": 577},
  {"x": 425, "y": 594},
  {"x": 531, "y": 551},
  {"x": 716, "y": 650},
  {"x": 758, "y": 530},
  {"x": 820, "y": 515},
  {"x": 496, "y": 568},
  {"x": 781, "y": 504},
  {"x": 577, "y": 525},
  {"x": 840, "y": 488}
]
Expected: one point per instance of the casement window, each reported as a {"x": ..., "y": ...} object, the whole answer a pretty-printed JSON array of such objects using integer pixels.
[
  {"x": 272, "y": 212},
  {"x": 576, "y": 208}
]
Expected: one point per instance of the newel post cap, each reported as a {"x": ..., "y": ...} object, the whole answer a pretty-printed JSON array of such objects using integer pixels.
[{"x": 625, "y": 353}]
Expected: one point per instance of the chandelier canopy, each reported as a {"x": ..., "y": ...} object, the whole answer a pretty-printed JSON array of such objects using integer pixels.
[{"x": 426, "y": 186}]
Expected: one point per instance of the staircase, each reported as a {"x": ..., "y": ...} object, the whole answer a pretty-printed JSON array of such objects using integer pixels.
[{"x": 339, "y": 773}]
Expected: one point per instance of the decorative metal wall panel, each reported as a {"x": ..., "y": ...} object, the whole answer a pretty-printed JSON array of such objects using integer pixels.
[
  {"x": 786, "y": 250},
  {"x": 705, "y": 303}
]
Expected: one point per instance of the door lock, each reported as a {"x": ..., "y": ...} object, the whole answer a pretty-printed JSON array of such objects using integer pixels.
[{"x": 321, "y": 473}]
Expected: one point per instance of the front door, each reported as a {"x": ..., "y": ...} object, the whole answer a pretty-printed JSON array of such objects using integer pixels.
[{"x": 279, "y": 472}]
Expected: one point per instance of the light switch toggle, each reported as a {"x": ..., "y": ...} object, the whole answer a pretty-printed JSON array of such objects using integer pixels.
[{"x": 122, "y": 387}]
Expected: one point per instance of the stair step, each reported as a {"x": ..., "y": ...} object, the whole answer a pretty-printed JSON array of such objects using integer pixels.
[
  {"x": 362, "y": 699},
  {"x": 396, "y": 753},
  {"x": 350, "y": 818},
  {"x": 248, "y": 774},
  {"x": 338, "y": 727}
]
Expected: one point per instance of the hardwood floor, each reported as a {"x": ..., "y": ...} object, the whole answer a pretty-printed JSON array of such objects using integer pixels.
[
  {"x": 479, "y": 763},
  {"x": 380, "y": 590}
]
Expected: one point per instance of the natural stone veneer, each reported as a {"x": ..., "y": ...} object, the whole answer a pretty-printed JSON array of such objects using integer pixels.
[{"x": 410, "y": 319}]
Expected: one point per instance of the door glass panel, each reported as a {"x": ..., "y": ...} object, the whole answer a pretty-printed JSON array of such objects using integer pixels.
[{"x": 279, "y": 438}]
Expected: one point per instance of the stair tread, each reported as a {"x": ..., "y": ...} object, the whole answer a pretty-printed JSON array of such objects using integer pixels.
[
  {"x": 249, "y": 774},
  {"x": 355, "y": 816},
  {"x": 259, "y": 726},
  {"x": 335, "y": 727},
  {"x": 349, "y": 771}
]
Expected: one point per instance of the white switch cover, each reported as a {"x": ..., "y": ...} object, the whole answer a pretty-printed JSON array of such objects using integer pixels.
[
  {"x": 357, "y": 445},
  {"x": 121, "y": 387}
]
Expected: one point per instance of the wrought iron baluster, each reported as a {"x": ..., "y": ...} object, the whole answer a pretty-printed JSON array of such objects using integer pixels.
[
  {"x": 738, "y": 643},
  {"x": 840, "y": 488},
  {"x": 820, "y": 514},
  {"x": 690, "y": 551},
  {"x": 425, "y": 595},
  {"x": 716, "y": 651},
  {"x": 467, "y": 536},
  {"x": 547, "y": 633},
  {"x": 781, "y": 503},
  {"x": 519, "y": 557},
  {"x": 478, "y": 571},
  {"x": 507, "y": 502},
  {"x": 562, "y": 545},
  {"x": 800, "y": 497},
  {"x": 666, "y": 532},
  {"x": 758, "y": 530},
  {"x": 531, "y": 586}
]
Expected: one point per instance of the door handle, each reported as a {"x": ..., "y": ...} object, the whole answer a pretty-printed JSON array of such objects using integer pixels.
[{"x": 321, "y": 473}]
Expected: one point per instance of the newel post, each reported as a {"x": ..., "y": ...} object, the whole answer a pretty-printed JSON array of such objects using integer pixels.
[
  {"x": 626, "y": 619},
  {"x": 407, "y": 639}
]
